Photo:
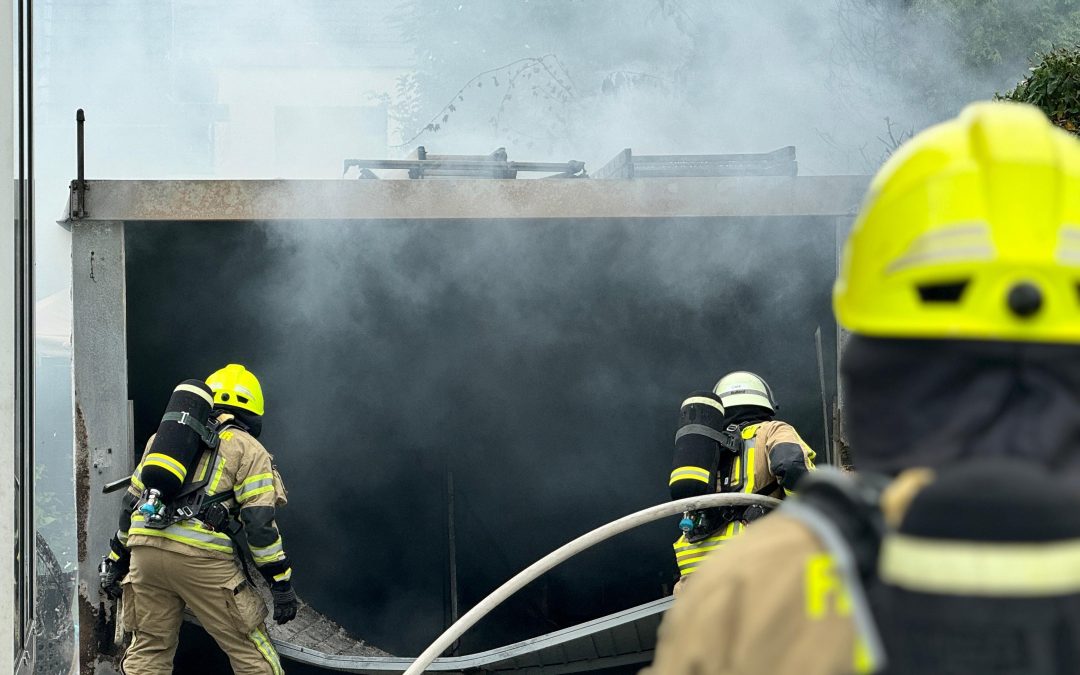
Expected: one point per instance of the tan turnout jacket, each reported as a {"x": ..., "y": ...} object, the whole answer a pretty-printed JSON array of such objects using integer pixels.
[
  {"x": 244, "y": 468},
  {"x": 772, "y": 601},
  {"x": 769, "y": 601},
  {"x": 767, "y": 436}
]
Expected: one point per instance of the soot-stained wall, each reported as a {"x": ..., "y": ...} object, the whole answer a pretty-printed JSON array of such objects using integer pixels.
[{"x": 542, "y": 362}]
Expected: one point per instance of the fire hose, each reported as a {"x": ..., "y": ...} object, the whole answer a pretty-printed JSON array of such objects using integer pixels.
[{"x": 569, "y": 550}]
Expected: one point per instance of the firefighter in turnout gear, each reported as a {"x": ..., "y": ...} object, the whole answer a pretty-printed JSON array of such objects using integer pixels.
[
  {"x": 194, "y": 561},
  {"x": 729, "y": 441},
  {"x": 955, "y": 550}
]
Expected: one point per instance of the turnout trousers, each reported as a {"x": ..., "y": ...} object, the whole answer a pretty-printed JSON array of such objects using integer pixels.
[{"x": 161, "y": 582}]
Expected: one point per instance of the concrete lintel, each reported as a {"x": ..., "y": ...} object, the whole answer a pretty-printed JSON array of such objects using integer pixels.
[
  {"x": 246, "y": 200},
  {"x": 101, "y": 414}
]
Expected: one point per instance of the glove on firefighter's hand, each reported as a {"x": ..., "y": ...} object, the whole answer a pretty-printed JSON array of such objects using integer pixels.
[
  {"x": 285, "y": 603},
  {"x": 110, "y": 575}
]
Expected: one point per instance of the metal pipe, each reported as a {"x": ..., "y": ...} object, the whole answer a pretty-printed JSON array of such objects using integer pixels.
[
  {"x": 80, "y": 173},
  {"x": 455, "y": 164},
  {"x": 451, "y": 533},
  {"x": 567, "y": 551},
  {"x": 826, "y": 449}
]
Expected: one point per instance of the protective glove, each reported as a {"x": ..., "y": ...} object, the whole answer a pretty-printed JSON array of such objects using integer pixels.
[
  {"x": 110, "y": 574},
  {"x": 285, "y": 603}
]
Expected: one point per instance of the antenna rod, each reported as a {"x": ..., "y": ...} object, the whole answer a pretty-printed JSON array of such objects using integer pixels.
[{"x": 80, "y": 175}]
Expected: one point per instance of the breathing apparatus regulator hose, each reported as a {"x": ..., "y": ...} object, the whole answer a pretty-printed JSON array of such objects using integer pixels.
[{"x": 569, "y": 550}]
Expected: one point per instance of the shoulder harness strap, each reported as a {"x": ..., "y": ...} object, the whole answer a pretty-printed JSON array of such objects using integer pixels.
[
  {"x": 726, "y": 440},
  {"x": 208, "y": 435},
  {"x": 741, "y": 438}
]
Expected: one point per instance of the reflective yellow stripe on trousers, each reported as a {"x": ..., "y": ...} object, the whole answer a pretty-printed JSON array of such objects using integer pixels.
[{"x": 266, "y": 648}]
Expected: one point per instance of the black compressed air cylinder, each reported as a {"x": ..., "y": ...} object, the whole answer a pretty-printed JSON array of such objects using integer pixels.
[
  {"x": 177, "y": 446},
  {"x": 697, "y": 456}
]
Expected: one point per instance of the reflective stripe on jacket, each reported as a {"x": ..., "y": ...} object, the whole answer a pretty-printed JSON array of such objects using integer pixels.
[
  {"x": 689, "y": 555},
  {"x": 191, "y": 532}
]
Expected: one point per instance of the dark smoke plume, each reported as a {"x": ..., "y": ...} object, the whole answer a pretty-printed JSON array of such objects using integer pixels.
[{"x": 542, "y": 362}]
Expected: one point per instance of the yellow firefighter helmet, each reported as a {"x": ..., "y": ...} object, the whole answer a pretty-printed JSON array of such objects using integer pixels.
[
  {"x": 236, "y": 386},
  {"x": 745, "y": 388},
  {"x": 970, "y": 231}
]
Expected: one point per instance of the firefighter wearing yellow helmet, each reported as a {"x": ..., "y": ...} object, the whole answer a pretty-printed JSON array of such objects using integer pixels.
[
  {"x": 776, "y": 457},
  {"x": 192, "y": 558},
  {"x": 746, "y": 451},
  {"x": 956, "y": 548}
]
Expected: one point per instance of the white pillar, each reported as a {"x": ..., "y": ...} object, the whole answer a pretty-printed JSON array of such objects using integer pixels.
[{"x": 102, "y": 452}]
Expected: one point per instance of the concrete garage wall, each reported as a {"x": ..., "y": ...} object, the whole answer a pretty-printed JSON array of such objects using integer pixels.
[
  {"x": 542, "y": 362},
  {"x": 534, "y": 337}
]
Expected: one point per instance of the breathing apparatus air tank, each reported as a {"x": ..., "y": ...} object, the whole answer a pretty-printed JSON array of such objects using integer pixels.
[
  {"x": 183, "y": 432},
  {"x": 697, "y": 453}
]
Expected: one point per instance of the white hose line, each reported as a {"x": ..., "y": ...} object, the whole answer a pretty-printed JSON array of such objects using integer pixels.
[{"x": 568, "y": 551}]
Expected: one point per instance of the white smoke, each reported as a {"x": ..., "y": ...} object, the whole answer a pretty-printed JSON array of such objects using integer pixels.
[{"x": 278, "y": 88}]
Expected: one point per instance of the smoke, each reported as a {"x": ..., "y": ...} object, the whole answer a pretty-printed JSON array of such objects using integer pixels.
[
  {"x": 684, "y": 76},
  {"x": 542, "y": 363}
]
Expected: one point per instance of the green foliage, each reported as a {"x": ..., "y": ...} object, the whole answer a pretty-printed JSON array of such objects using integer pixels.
[
  {"x": 1054, "y": 86},
  {"x": 53, "y": 517},
  {"x": 926, "y": 59},
  {"x": 1003, "y": 33},
  {"x": 949, "y": 52}
]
